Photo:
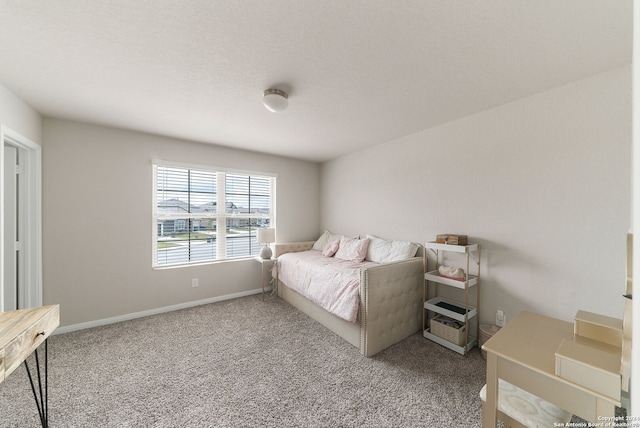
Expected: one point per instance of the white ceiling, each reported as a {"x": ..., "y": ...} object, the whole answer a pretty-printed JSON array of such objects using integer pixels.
[{"x": 358, "y": 72}]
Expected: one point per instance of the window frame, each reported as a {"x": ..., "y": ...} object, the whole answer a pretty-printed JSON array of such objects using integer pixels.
[{"x": 220, "y": 218}]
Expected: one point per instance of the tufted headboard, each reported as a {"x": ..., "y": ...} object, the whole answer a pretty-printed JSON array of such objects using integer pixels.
[{"x": 292, "y": 247}]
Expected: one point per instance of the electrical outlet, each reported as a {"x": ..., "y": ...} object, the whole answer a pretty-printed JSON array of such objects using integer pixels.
[
  {"x": 194, "y": 282},
  {"x": 501, "y": 318}
]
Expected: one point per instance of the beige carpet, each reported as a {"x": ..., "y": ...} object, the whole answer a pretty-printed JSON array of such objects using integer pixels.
[{"x": 244, "y": 363}]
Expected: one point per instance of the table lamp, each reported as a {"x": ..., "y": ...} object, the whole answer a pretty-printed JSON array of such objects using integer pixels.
[{"x": 266, "y": 236}]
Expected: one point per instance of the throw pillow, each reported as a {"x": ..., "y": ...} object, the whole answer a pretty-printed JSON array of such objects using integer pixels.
[
  {"x": 382, "y": 251},
  {"x": 352, "y": 249},
  {"x": 331, "y": 248},
  {"x": 324, "y": 239}
]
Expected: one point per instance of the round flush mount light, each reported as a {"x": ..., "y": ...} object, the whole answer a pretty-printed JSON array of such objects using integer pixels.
[{"x": 275, "y": 100}]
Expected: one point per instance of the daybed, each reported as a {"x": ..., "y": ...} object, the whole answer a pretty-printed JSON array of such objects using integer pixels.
[{"x": 389, "y": 297}]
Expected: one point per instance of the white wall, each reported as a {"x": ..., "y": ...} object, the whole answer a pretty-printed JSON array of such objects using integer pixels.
[
  {"x": 97, "y": 228},
  {"x": 19, "y": 117},
  {"x": 543, "y": 184}
]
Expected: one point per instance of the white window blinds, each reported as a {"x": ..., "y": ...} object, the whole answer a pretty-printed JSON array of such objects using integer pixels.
[{"x": 203, "y": 215}]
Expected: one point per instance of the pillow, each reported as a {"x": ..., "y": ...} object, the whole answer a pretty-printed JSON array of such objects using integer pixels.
[
  {"x": 381, "y": 251},
  {"x": 324, "y": 239},
  {"x": 354, "y": 250},
  {"x": 331, "y": 248}
]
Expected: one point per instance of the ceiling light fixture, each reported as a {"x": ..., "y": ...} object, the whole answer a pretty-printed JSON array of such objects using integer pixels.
[{"x": 275, "y": 100}]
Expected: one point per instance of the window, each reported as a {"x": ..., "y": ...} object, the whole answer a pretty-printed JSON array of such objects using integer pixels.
[{"x": 202, "y": 215}]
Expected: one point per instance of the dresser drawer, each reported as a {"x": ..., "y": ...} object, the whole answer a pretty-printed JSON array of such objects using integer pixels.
[
  {"x": 593, "y": 365},
  {"x": 23, "y": 331}
]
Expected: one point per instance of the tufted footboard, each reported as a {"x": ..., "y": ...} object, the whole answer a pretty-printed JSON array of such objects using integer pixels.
[{"x": 390, "y": 303}]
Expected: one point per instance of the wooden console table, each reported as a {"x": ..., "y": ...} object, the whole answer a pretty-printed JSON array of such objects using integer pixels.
[{"x": 21, "y": 332}]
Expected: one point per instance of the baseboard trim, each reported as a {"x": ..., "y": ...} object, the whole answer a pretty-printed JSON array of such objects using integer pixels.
[{"x": 156, "y": 311}]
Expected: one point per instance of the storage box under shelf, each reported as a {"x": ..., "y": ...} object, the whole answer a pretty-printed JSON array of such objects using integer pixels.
[
  {"x": 449, "y": 308},
  {"x": 454, "y": 335}
]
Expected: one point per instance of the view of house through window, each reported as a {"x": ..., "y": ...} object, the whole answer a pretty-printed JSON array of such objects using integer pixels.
[{"x": 205, "y": 215}]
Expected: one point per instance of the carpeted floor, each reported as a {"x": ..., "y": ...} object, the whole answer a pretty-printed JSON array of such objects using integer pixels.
[{"x": 244, "y": 363}]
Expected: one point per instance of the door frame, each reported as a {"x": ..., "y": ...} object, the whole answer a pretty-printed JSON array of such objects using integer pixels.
[{"x": 31, "y": 178}]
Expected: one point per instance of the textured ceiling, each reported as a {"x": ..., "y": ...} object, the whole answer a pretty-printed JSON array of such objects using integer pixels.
[{"x": 358, "y": 73}]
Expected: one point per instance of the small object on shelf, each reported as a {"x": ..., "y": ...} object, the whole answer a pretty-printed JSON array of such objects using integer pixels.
[
  {"x": 451, "y": 239},
  {"x": 452, "y": 307},
  {"x": 448, "y": 321},
  {"x": 451, "y": 272}
]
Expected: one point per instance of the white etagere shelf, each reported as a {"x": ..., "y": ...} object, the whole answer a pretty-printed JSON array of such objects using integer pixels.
[{"x": 462, "y": 312}]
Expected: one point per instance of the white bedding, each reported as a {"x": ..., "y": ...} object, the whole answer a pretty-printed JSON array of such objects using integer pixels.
[{"x": 330, "y": 283}]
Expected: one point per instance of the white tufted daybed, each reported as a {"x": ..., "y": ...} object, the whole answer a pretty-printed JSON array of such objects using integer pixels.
[{"x": 390, "y": 299}]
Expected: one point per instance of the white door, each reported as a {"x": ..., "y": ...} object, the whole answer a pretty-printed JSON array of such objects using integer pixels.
[
  {"x": 11, "y": 269},
  {"x": 21, "y": 222}
]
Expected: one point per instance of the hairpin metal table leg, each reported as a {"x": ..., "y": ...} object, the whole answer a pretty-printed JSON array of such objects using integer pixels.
[{"x": 42, "y": 399}]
